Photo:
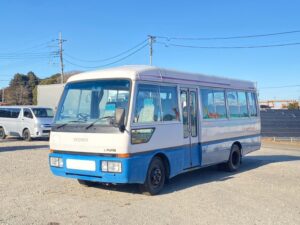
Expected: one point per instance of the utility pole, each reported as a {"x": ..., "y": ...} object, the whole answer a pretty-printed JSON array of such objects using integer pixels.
[
  {"x": 60, "y": 42},
  {"x": 151, "y": 41}
]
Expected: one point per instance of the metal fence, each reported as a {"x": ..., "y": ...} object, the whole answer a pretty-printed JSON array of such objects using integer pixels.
[{"x": 280, "y": 123}]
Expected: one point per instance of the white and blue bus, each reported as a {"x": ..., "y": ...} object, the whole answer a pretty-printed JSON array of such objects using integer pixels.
[{"x": 144, "y": 125}]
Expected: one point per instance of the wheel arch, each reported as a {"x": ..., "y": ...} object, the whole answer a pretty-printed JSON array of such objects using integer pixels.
[
  {"x": 165, "y": 161},
  {"x": 26, "y": 128}
]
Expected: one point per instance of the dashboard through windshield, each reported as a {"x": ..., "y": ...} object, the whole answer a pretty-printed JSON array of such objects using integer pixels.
[{"x": 92, "y": 102}]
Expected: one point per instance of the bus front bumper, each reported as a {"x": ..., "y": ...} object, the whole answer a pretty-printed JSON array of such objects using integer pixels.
[{"x": 89, "y": 167}]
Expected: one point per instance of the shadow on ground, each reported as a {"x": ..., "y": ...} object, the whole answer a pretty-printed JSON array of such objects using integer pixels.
[
  {"x": 206, "y": 175},
  {"x": 21, "y": 148},
  {"x": 36, "y": 144}
]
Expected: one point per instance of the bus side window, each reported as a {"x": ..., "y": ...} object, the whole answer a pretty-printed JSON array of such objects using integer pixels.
[
  {"x": 147, "y": 107},
  {"x": 208, "y": 108},
  {"x": 169, "y": 103},
  {"x": 219, "y": 102},
  {"x": 233, "y": 105},
  {"x": 252, "y": 103},
  {"x": 213, "y": 104},
  {"x": 243, "y": 104}
]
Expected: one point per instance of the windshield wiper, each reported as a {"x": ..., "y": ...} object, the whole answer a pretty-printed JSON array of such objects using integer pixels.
[
  {"x": 99, "y": 119},
  {"x": 69, "y": 122}
]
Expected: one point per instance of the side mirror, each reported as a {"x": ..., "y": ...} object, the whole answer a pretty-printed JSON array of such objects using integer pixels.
[{"x": 120, "y": 118}]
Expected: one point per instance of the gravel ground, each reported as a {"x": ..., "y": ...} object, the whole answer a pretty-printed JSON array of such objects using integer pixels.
[{"x": 265, "y": 191}]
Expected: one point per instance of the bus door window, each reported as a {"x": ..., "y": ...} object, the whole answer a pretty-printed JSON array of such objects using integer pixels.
[
  {"x": 193, "y": 113},
  {"x": 184, "y": 107}
]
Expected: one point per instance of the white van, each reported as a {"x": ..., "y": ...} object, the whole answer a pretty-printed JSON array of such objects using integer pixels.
[{"x": 25, "y": 121}]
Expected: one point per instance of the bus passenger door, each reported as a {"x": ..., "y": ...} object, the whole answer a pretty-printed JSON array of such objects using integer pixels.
[{"x": 188, "y": 99}]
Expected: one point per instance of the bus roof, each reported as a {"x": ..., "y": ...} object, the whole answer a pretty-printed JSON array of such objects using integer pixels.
[{"x": 151, "y": 73}]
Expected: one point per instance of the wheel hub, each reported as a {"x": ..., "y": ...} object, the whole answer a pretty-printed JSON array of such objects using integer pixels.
[{"x": 156, "y": 176}]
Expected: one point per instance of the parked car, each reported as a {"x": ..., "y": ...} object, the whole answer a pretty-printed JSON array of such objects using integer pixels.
[{"x": 25, "y": 121}]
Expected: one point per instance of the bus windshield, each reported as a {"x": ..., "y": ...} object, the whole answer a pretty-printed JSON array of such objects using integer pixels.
[
  {"x": 93, "y": 102},
  {"x": 42, "y": 112}
]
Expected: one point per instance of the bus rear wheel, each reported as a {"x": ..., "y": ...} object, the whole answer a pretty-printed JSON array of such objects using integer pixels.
[
  {"x": 234, "y": 161},
  {"x": 26, "y": 135},
  {"x": 156, "y": 176},
  {"x": 2, "y": 133}
]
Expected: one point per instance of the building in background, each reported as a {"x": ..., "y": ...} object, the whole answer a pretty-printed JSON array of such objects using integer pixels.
[
  {"x": 49, "y": 95},
  {"x": 277, "y": 104}
]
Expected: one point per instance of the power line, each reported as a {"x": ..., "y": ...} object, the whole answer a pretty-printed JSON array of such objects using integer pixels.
[
  {"x": 229, "y": 37},
  {"x": 43, "y": 44},
  {"x": 27, "y": 54},
  {"x": 108, "y": 64},
  {"x": 228, "y": 47},
  {"x": 109, "y": 58},
  {"x": 26, "y": 57}
]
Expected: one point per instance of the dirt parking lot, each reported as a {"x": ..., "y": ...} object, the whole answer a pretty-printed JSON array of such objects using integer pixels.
[{"x": 265, "y": 191}]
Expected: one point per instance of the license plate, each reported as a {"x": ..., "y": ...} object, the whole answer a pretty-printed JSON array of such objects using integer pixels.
[{"x": 75, "y": 164}]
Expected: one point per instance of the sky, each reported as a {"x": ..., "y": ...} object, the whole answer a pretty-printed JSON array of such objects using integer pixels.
[{"x": 96, "y": 30}]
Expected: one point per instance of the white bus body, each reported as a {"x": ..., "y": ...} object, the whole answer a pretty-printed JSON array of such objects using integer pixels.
[
  {"x": 25, "y": 121},
  {"x": 174, "y": 122}
]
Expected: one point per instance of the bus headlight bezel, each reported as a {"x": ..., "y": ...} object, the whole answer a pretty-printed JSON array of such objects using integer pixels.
[
  {"x": 56, "y": 162},
  {"x": 111, "y": 166}
]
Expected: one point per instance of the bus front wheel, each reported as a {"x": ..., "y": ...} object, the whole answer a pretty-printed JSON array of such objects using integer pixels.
[
  {"x": 156, "y": 176},
  {"x": 234, "y": 161}
]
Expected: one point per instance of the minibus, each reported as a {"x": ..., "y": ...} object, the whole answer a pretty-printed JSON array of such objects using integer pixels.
[
  {"x": 145, "y": 125},
  {"x": 25, "y": 121}
]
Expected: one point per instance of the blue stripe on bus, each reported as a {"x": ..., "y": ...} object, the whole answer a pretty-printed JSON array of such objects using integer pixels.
[{"x": 134, "y": 169}]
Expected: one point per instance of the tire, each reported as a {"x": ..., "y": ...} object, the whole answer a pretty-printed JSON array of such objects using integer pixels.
[
  {"x": 26, "y": 135},
  {"x": 156, "y": 176},
  {"x": 234, "y": 161},
  {"x": 2, "y": 133},
  {"x": 86, "y": 183}
]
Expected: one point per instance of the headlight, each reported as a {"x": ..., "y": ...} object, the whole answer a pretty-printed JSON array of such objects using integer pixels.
[
  {"x": 104, "y": 166},
  {"x": 111, "y": 166},
  {"x": 56, "y": 161}
]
